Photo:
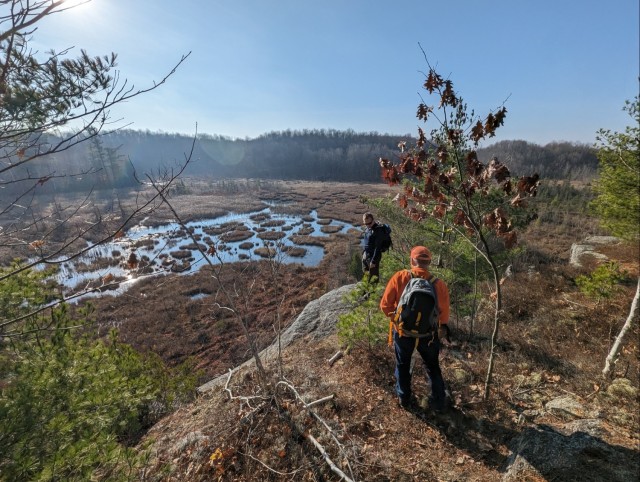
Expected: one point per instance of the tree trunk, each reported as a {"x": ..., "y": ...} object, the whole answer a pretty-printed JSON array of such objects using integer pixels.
[
  {"x": 438, "y": 260},
  {"x": 494, "y": 335},
  {"x": 613, "y": 354},
  {"x": 475, "y": 294}
]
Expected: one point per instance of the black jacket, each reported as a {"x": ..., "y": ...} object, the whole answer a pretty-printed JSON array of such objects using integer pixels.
[{"x": 372, "y": 243}]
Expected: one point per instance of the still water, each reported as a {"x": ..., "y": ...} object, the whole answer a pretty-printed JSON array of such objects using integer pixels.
[{"x": 169, "y": 248}]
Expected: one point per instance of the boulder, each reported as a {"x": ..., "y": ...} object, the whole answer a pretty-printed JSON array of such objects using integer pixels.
[
  {"x": 576, "y": 451},
  {"x": 588, "y": 247},
  {"x": 566, "y": 406},
  {"x": 317, "y": 320}
]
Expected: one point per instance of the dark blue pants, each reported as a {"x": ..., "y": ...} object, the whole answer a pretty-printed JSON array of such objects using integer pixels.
[{"x": 429, "y": 350}]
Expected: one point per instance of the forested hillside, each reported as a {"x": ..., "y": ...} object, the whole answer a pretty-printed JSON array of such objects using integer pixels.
[
  {"x": 556, "y": 160},
  {"x": 328, "y": 154},
  {"x": 318, "y": 155}
]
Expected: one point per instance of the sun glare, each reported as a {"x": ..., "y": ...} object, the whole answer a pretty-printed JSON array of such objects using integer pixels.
[
  {"x": 87, "y": 10},
  {"x": 76, "y": 5}
]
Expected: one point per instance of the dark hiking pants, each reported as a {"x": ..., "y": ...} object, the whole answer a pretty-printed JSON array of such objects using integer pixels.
[
  {"x": 429, "y": 350},
  {"x": 368, "y": 270}
]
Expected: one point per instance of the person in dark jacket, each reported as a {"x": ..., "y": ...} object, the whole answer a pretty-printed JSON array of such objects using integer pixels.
[{"x": 371, "y": 254}]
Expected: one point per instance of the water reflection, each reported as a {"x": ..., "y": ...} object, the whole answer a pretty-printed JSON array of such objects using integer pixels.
[
  {"x": 198, "y": 296},
  {"x": 155, "y": 250}
]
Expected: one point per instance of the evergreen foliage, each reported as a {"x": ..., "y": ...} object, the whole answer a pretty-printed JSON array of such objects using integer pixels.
[
  {"x": 617, "y": 189},
  {"x": 563, "y": 196},
  {"x": 355, "y": 265},
  {"x": 365, "y": 324},
  {"x": 618, "y": 199},
  {"x": 69, "y": 403},
  {"x": 23, "y": 291},
  {"x": 602, "y": 281}
]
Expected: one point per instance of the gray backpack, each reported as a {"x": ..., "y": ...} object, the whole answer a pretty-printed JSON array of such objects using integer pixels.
[{"x": 417, "y": 312}]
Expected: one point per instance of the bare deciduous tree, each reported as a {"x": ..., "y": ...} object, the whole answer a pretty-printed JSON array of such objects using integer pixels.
[{"x": 50, "y": 103}]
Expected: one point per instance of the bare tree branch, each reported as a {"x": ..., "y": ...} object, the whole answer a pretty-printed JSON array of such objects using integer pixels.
[{"x": 327, "y": 459}]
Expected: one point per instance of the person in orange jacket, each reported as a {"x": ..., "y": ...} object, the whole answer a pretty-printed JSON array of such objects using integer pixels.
[{"x": 428, "y": 347}]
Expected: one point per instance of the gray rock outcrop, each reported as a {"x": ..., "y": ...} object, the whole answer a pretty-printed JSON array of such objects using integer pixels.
[
  {"x": 317, "y": 320},
  {"x": 319, "y": 317},
  {"x": 566, "y": 406},
  {"x": 574, "y": 452},
  {"x": 588, "y": 247}
]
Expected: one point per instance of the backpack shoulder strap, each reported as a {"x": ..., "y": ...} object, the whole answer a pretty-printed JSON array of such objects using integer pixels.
[{"x": 436, "y": 310}]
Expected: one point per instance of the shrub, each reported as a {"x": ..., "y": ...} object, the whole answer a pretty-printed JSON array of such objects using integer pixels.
[
  {"x": 355, "y": 264},
  {"x": 365, "y": 324},
  {"x": 71, "y": 405},
  {"x": 601, "y": 283}
]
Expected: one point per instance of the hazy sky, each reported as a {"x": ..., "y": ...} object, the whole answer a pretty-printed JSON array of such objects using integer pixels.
[{"x": 564, "y": 67}]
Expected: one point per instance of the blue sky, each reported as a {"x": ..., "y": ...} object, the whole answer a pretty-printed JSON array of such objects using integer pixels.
[{"x": 564, "y": 67}]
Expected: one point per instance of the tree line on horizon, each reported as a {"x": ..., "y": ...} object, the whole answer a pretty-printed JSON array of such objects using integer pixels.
[{"x": 108, "y": 161}]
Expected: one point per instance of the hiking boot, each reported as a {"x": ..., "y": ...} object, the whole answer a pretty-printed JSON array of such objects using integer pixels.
[
  {"x": 405, "y": 404},
  {"x": 437, "y": 407}
]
